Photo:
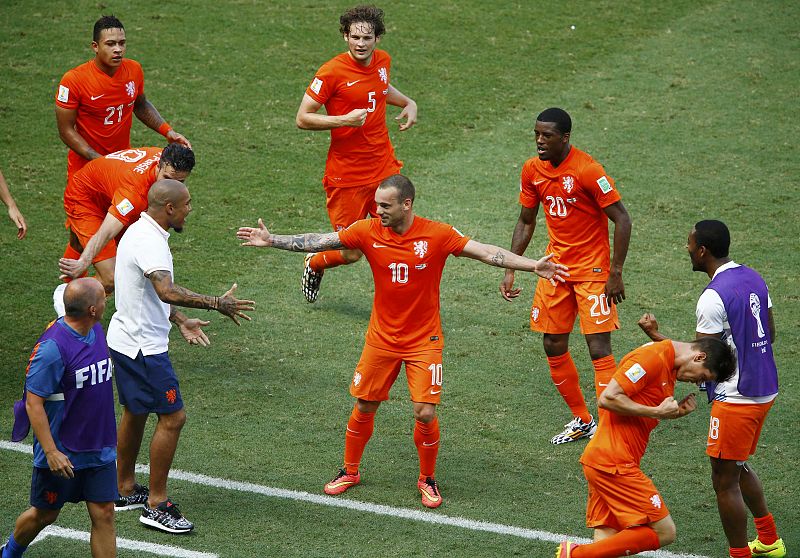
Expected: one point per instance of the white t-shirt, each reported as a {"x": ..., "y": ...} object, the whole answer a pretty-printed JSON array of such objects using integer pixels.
[
  {"x": 713, "y": 319},
  {"x": 141, "y": 322}
]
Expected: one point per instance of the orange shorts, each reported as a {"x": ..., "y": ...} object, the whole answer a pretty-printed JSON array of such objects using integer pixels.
[
  {"x": 85, "y": 224},
  {"x": 555, "y": 307},
  {"x": 378, "y": 368},
  {"x": 348, "y": 205},
  {"x": 622, "y": 500},
  {"x": 734, "y": 429}
]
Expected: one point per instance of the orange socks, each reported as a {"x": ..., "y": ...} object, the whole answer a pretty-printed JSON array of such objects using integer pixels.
[
  {"x": 359, "y": 430},
  {"x": 767, "y": 530},
  {"x": 326, "y": 260},
  {"x": 604, "y": 369},
  {"x": 426, "y": 438},
  {"x": 625, "y": 543},
  {"x": 565, "y": 377},
  {"x": 743, "y": 552}
]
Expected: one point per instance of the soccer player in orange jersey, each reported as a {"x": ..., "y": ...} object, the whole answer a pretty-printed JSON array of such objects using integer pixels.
[
  {"x": 578, "y": 199},
  {"x": 354, "y": 88},
  {"x": 96, "y": 101},
  {"x": 407, "y": 254},
  {"x": 108, "y": 195},
  {"x": 625, "y": 509}
]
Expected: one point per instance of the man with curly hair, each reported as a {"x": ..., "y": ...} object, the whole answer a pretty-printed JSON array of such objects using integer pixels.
[{"x": 354, "y": 88}]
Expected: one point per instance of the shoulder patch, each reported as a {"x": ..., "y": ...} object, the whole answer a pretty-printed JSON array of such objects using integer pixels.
[
  {"x": 124, "y": 207},
  {"x": 63, "y": 93},
  {"x": 316, "y": 85},
  {"x": 605, "y": 185},
  {"x": 635, "y": 373}
]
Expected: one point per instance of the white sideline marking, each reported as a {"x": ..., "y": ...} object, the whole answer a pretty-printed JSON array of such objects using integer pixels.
[
  {"x": 158, "y": 549},
  {"x": 403, "y": 513}
]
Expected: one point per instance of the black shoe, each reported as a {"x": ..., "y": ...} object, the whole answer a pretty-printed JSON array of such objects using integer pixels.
[{"x": 136, "y": 500}]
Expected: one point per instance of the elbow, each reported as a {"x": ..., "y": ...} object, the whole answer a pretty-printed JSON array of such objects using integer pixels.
[
  {"x": 300, "y": 122},
  {"x": 604, "y": 402}
]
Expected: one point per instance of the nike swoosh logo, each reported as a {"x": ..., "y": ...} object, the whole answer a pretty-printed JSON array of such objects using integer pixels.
[
  {"x": 711, "y": 444},
  {"x": 95, "y": 98},
  {"x": 598, "y": 322},
  {"x": 376, "y": 245},
  {"x": 537, "y": 182},
  {"x": 353, "y": 431},
  {"x": 349, "y": 83},
  {"x": 426, "y": 444},
  {"x": 561, "y": 382},
  {"x": 436, "y": 392},
  {"x": 601, "y": 384}
]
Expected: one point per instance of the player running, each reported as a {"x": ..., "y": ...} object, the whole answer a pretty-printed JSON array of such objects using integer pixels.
[{"x": 354, "y": 88}]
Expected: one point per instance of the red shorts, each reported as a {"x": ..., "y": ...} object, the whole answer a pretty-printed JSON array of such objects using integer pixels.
[
  {"x": 555, "y": 307},
  {"x": 348, "y": 205},
  {"x": 734, "y": 429},
  {"x": 622, "y": 500},
  {"x": 378, "y": 368},
  {"x": 85, "y": 223}
]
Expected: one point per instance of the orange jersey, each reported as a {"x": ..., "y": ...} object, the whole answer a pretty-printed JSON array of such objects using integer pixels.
[
  {"x": 647, "y": 376},
  {"x": 104, "y": 104},
  {"x": 573, "y": 196},
  {"x": 117, "y": 184},
  {"x": 407, "y": 271},
  {"x": 362, "y": 155}
]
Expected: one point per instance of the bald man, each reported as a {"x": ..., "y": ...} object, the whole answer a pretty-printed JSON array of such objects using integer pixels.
[
  {"x": 147, "y": 301},
  {"x": 69, "y": 402}
]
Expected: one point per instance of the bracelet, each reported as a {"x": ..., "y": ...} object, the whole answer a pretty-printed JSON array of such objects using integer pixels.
[
  {"x": 214, "y": 304},
  {"x": 164, "y": 129}
]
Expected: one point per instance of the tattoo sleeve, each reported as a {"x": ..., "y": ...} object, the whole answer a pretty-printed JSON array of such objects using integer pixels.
[
  {"x": 498, "y": 259},
  {"x": 147, "y": 113},
  {"x": 176, "y": 295},
  {"x": 309, "y": 242}
]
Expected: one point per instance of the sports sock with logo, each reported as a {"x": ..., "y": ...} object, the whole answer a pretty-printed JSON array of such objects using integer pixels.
[
  {"x": 426, "y": 438},
  {"x": 565, "y": 377},
  {"x": 743, "y": 552},
  {"x": 767, "y": 530},
  {"x": 625, "y": 543},
  {"x": 326, "y": 260},
  {"x": 359, "y": 430},
  {"x": 604, "y": 369}
]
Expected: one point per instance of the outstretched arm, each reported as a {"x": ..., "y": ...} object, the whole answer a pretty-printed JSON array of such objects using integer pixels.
[
  {"x": 408, "y": 116},
  {"x": 176, "y": 295},
  {"x": 110, "y": 228},
  {"x": 308, "y": 119},
  {"x": 523, "y": 231},
  {"x": 149, "y": 116},
  {"x": 307, "y": 242},
  {"x": 615, "y": 288},
  {"x": 500, "y": 257}
]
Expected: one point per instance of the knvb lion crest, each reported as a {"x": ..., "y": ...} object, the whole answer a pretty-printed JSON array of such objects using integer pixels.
[
  {"x": 421, "y": 248},
  {"x": 172, "y": 395},
  {"x": 569, "y": 183},
  {"x": 356, "y": 378},
  {"x": 384, "y": 75},
  {"x": 130, "y": 89}
]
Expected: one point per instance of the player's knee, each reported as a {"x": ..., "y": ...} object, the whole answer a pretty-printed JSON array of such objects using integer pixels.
[
  {"x": 102, "y": 515},
  {"x": 555, "y": 345},
  {"x": 666, "y": 531},
  {"x": 173, "y": 421},
  {"x": 425, "y": 414}
]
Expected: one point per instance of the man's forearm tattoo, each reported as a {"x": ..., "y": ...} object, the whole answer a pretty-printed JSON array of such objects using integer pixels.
[
  {"x": 498, "y": 259},
  {"x": 309, "y": 242},
  {"x": 180, "y": 296}
]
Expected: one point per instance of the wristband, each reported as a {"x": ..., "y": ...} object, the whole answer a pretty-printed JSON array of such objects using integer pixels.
[{"x": 164, "y": 129}]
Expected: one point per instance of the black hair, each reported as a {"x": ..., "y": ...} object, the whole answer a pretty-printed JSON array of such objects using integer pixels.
[
  {"x": 714, "y": 235},
  {"x": 178, "y": 156},
  {"x": 366, "y": 14},
  {"x": 720, "y": 359},
  {"x": 559, "y": 117},
  {"x": 105, "y": 22}
]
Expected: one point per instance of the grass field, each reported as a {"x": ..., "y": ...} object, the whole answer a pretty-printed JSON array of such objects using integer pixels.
[{"x": 692, "y": 108}]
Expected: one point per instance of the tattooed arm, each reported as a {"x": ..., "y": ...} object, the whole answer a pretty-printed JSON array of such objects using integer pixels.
[
  {"x": 176, "y": 295},
  {"x": 500, "y": 257},
  {"x": 149, "y": 116},
  {"x": 308, "y": 242}
]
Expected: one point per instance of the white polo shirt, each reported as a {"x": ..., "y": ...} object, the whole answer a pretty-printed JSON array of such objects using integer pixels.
[{"x": 141, "y": 322}]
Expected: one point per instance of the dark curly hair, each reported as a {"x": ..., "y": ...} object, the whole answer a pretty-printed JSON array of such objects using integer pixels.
[
  {"x": 366, "y": 14},
  {"x": 105, "y": 22},
  {"x": 178, "y": 156}
]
